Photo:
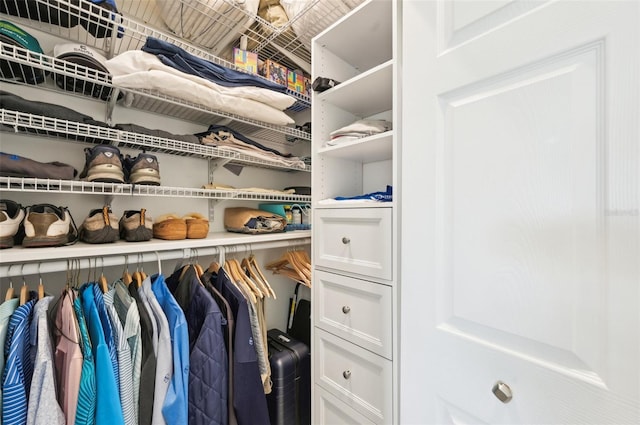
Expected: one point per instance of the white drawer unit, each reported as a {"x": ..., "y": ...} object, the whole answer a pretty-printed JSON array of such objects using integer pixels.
[
  {"x": 356, "y": 310},
  {"x": 357, "y": 376},
  {"x": 331, "y": 410},
  {"x": 356, "y": 240}
]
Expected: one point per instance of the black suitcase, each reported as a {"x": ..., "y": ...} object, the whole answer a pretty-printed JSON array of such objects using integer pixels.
[{"x": 290, "y": 399}]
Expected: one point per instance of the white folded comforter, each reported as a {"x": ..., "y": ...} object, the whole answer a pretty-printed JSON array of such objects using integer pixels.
[{"x": 136, "y": 69}]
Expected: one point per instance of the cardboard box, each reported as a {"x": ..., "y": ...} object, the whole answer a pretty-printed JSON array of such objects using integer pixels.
[
  {"x": 245, "y": 60},
  {"x": 275, "y": 72},
  {"x": 295, "y": 81}
]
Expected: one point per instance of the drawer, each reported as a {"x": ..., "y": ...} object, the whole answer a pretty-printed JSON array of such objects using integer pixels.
[
  {"x": 356, "y": 310},
  {"x": 356, "y": 240},
  {"x": 357, "y": 376},
  {"x": 329, "y": 410}
]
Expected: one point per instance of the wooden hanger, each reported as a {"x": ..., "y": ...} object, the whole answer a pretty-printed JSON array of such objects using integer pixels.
[
  {"x": 287, "y": 265},
  {"x": 237, "y": 280},
  {"x": 246, "y": 268},
  {"x": 126, "y": 276},
  {"x": 40, "y": 285},
  {"x": 247, "y": 280},
  {"x": 10, "y": 293},
  {"x": 255, "y": 267},
  {"x": 24, "y": 292}
]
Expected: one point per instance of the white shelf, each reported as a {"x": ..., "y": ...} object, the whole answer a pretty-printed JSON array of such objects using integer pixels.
[
  {"x": 378, "y": 147},
  {"x": 20, "y": 184},
  {"x": 96, "y": 134},
  {"x": 50, "y": 259},
  {"x": 367, "y": 94},
  {"x": 363, "y": 38},
  {"x": 143, "y": 99}
]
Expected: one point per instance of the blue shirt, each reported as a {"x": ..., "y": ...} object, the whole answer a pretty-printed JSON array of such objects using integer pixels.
[
  {"x": 86, "y": 409},
  {"x": 108, "y": 330},
  {"x": 175, "y": 408},
  {"x": 108, "y": 408},
  {"x": 18, "y": 370}
]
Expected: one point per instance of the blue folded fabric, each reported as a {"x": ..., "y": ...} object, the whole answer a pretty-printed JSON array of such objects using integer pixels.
[
  {"x": 177, "y": 58},
  {"x": 373, "y": 196}
]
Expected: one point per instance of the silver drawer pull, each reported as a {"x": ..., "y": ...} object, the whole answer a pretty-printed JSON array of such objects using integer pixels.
[
  {"x": 502, "y": 392},
  {"x": 345, "y": 240},
  {"x": 346, "y": 309},
  {"x": 346, "y": 374}
]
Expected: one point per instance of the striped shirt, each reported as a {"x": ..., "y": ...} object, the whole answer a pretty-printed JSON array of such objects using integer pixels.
[
  {"x": 86, "y": 409},
  {"x": 129, "y": 316},
  {"x": 6, "y": 310},
  {"x": 43, "y": 405},
  {"x": 16, "y": 377},
  {"x": 124, "y": 359},
  {"x": 108, "y": 331}
]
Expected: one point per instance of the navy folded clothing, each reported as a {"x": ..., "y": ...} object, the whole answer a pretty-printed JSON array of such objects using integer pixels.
[{"x": 184, "y": 61}]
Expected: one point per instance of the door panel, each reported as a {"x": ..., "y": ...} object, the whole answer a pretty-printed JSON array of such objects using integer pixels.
[{"x": 526, "y": 268}]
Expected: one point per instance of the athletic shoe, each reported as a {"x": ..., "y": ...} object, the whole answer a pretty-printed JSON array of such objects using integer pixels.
[
  {"x": 197, "y": 226},
  {"x": 103, "y": 164},
  {"x": 100, "y": 226},
  {"x": 11, "y": 216},
  {"x": 136, "y": 226},
  {"x": 48, "y": 225},
  {"x": 170, "y": 227},
  {"x": 142, "y": 169}
]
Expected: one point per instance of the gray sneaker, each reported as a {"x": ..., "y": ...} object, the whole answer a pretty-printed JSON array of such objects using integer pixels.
[
  {"x": 48, "y": 225},
  {"x": 136, "y": 226},
  {"x": 103, "y": 164},
  {"x": 100, "y": 226},
  {"x": 142, "y": 169}
]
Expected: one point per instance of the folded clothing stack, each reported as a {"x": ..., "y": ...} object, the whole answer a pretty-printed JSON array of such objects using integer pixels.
[{"x": 358, "y": 130}]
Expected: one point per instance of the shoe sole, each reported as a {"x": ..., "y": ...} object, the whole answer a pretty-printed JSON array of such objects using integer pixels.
[
  {"x": 38, "y": 241},
  {"x": 104, "y": 235},
  {"x": 145, "y": 176},
  {"x": 107, "y": 173},
  {"x": 141, "y": 234},
  {"x": 6, "y": 242}
]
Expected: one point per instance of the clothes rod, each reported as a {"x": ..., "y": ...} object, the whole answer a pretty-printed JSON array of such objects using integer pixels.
[{"x": 35, "y": 267}]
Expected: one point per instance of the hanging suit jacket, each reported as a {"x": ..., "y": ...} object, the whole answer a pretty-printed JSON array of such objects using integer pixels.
[
  {"x": 208, "y": 355},
  {"x": 249, "y": 399}
]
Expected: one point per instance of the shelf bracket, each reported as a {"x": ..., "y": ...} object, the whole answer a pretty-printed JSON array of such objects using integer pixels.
[{"x": 215, "y": 164}]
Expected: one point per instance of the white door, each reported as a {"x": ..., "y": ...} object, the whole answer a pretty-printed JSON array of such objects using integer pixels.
[{"x": 520, "y": 189}]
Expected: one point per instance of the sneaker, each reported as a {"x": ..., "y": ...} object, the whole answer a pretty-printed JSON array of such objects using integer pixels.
[
  {"x": 48, "y": 225},
  {"x": 143, "y": 169},
  {"x": 197, "y": 226},
  {"x": 103, "y": 164},
  {"x": 100, "y": 226},
  {"x": 136, "y": 226},
  {"x": 170, "y": 227},
  {"x": 11, "y": 216}
]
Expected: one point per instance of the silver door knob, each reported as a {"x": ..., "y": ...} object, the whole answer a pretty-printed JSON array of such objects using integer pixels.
[
  {"x": 346, "y": 309},
  {"x": 346, "y": 374},
  {"x": 345, "y": 240},
  {"x": 502, "y": 392}
]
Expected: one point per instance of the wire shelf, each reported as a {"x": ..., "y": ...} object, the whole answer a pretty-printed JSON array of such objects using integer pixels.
[
  {"x": 98, "y": 84},
  {"x": 47, "y": 126},
  {"x": 29, "y": 184},
  {"x": 116, "y": 33}
]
